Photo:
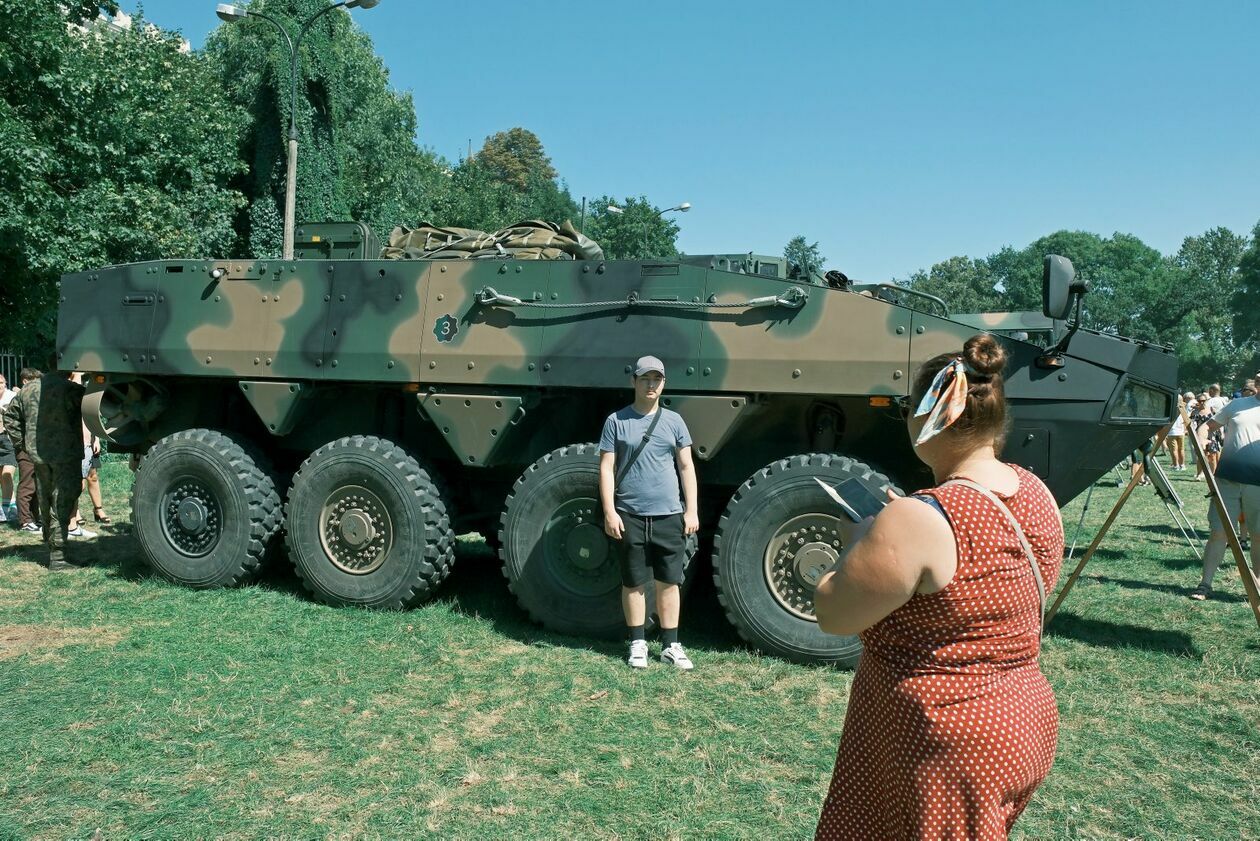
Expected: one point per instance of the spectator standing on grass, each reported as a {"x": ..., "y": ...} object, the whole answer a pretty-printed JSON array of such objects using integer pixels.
[
  {"x": 44, "y": 422},
  {"x": 8, "y": 461},
  {"x": 90, "y": 454},
  {"x": 1238, "y": 476},
  {"x": 951, "y": 725},
  {"x": 27, "y": 495},
  {"x": 1176, "y": 439},
  {"x": 644, "y": 450},
  {"x": 92, "y": 480},
  {"x": 1199, "y": 417}
]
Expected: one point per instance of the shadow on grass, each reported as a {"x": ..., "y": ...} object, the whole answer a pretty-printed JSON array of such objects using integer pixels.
[
  {"x": 1116, "y": 635},
  {"x": 1172, "y": 589},
  {"x": 1186, "y": 561},
  {"x": 1169, "y": 530},
  {"x": 476, "y": 587},
  {"x": 113, "y": 550}
]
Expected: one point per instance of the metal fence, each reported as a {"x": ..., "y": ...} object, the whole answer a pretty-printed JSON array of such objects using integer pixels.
[{"x": 10, "y": 365}]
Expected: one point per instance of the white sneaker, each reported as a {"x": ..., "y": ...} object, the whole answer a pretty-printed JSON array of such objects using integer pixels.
[
  {"x": 80, "y": 532},
  {"x": 638, "y": 658},
  {"x": 678, "y": 657},
  {"x": 31, "y": 527}
]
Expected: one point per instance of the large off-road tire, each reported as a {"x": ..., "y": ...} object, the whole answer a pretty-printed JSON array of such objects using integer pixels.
[
  {"x": 204, "y": 508},
  {"x": 560, "y": 565},
  {"x": 779, "y": 533},
  {"x": 367, "y": 525}
]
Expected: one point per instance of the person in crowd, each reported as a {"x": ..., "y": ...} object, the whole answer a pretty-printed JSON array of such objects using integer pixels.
[
  {"x": 1137, "y": 459},
  {"x": 1215, "y": 443},
  {"x": 92, "y": 481},
  {"x": 8, "y": 461},
  {"x": 1216, "y": 401},
  {"x": 44, "y": 422},
  {"x": 1200, "y": 414},
  {"x": 1176, "y": 439},
  {"x": 644, "y": 451},
  {"x": 1192, "y": 401},
  {"x": 87, "y": 466},
  {"x": 27, "y": 494},
  {"x": 950, "y": 725},
  {"x": 1238, "y": 477}
]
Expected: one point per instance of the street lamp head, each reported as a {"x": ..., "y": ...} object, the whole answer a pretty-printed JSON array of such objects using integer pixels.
[
  {"x": 230, "y": 14},
  {"x": 362, "y": 4},
  {"x": 612, "y": 208},
  {"x": 685, "y": 206}
]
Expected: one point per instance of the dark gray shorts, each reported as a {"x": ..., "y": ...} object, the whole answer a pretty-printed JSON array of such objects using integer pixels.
[
  {"x": 652, "y": 547},
  {"x": 7, "y": 458}
]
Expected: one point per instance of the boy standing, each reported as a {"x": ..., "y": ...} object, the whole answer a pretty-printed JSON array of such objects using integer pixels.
[{"x": 644, "y": 450}]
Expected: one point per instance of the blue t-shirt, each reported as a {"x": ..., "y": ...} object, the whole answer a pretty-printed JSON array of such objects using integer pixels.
[{"x": 650, "y": 487}]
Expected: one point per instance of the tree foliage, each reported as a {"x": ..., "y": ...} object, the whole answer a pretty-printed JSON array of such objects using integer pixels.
[
  {"x": 516, "y": 158},
  {"x": 965, "y": 284},
  {"x": 473, "y": 197},
  {"x": 357, "y": 155},
  {"x": 1182, "y": 300},
  {"x": 640, "y": 231},
  {"x": 1246, "y": 299},
  {"x": 803, "y": 258},
  {"x": 108, "y": 155}
]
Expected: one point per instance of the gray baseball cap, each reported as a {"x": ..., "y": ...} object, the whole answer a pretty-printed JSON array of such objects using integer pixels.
[{"x": 648, "y": 363}]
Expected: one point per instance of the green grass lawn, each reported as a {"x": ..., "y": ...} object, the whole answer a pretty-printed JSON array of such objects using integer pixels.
[{"x": 148, "y": 710}]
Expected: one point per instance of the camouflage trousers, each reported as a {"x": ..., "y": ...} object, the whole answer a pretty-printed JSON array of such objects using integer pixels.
[{"x": 59, "y": 484}]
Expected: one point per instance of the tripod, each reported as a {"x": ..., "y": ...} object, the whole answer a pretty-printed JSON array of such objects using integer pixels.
[{"x": 1167, "y": 494}]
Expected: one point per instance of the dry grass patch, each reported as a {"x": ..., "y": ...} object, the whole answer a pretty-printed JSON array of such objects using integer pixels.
[
  {"x": 21, "y": 584},
  {"x": 42, "y": 640}
]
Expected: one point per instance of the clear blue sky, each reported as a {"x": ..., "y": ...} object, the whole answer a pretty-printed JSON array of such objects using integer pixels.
[{"x": 896, "y": 134}]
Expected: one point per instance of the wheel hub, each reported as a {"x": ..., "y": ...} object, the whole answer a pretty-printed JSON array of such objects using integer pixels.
[
  {"x": 798, "y": 554},
  {"x": 813, "y": 560},
  {"x": 577, "y": 549},
  {"x": 587, "y": 546},
  {"x": 191, "y": 517},
  {"x": 355, "y": 529}
]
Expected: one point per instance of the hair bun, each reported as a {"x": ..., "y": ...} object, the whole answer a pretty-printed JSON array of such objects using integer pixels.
[{"x": 984, "y": 355}]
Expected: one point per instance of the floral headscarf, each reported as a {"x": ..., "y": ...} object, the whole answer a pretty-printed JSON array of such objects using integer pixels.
[{"x": 944, "y": 402}]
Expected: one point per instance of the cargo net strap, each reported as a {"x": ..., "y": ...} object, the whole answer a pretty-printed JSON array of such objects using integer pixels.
[
  {"x": 527, "y": 240},
  {"x": 793, "y": 298}
]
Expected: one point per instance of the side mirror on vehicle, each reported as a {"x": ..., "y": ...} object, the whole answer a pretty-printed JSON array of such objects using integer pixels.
[
  {"x": 1060, "y": 290},
  {"x": 1059, "y": 287}
]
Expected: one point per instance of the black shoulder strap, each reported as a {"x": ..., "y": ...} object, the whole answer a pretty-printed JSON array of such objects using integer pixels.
[{"x": 634, "y": 456}]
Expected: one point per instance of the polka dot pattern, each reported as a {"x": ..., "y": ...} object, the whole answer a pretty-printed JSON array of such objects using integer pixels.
[{"x": 951, "y": 726}]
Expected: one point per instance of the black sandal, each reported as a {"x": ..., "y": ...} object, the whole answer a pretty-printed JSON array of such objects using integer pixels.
[{"x": 98, "y": 514}]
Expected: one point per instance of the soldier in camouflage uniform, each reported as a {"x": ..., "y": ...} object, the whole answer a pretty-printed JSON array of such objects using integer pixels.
[{"x": 44, "y": 422}]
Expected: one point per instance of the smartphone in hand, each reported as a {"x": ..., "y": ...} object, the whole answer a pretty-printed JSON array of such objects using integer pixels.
[{"x": 854, "y": 498}]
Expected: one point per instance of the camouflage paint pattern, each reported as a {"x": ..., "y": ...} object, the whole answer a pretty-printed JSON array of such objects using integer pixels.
[{"x": 177, "y": 339}]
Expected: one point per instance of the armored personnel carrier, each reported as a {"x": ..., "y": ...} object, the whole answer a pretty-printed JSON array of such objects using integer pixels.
[{"x": 369, "y": 410}]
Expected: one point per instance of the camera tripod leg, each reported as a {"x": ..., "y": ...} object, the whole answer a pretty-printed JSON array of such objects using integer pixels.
[{"x": 1080, "y": 523}]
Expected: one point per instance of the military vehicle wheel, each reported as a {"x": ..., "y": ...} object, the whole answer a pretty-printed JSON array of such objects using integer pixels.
[
  {"x": 204, "y": 509},
  {"x": 557, "y": 559},
  {"x": 779, "y": 533},
  {"x": 367, "y": 525}
]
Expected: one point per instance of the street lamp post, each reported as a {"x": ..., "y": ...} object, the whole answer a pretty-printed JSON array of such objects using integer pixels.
[
  {"x": 232, "y": 14},
  {"x": 681, "y": 208}
]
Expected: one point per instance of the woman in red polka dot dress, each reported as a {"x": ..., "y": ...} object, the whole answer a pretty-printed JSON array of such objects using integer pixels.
[{"x": 951, "y": 726}]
